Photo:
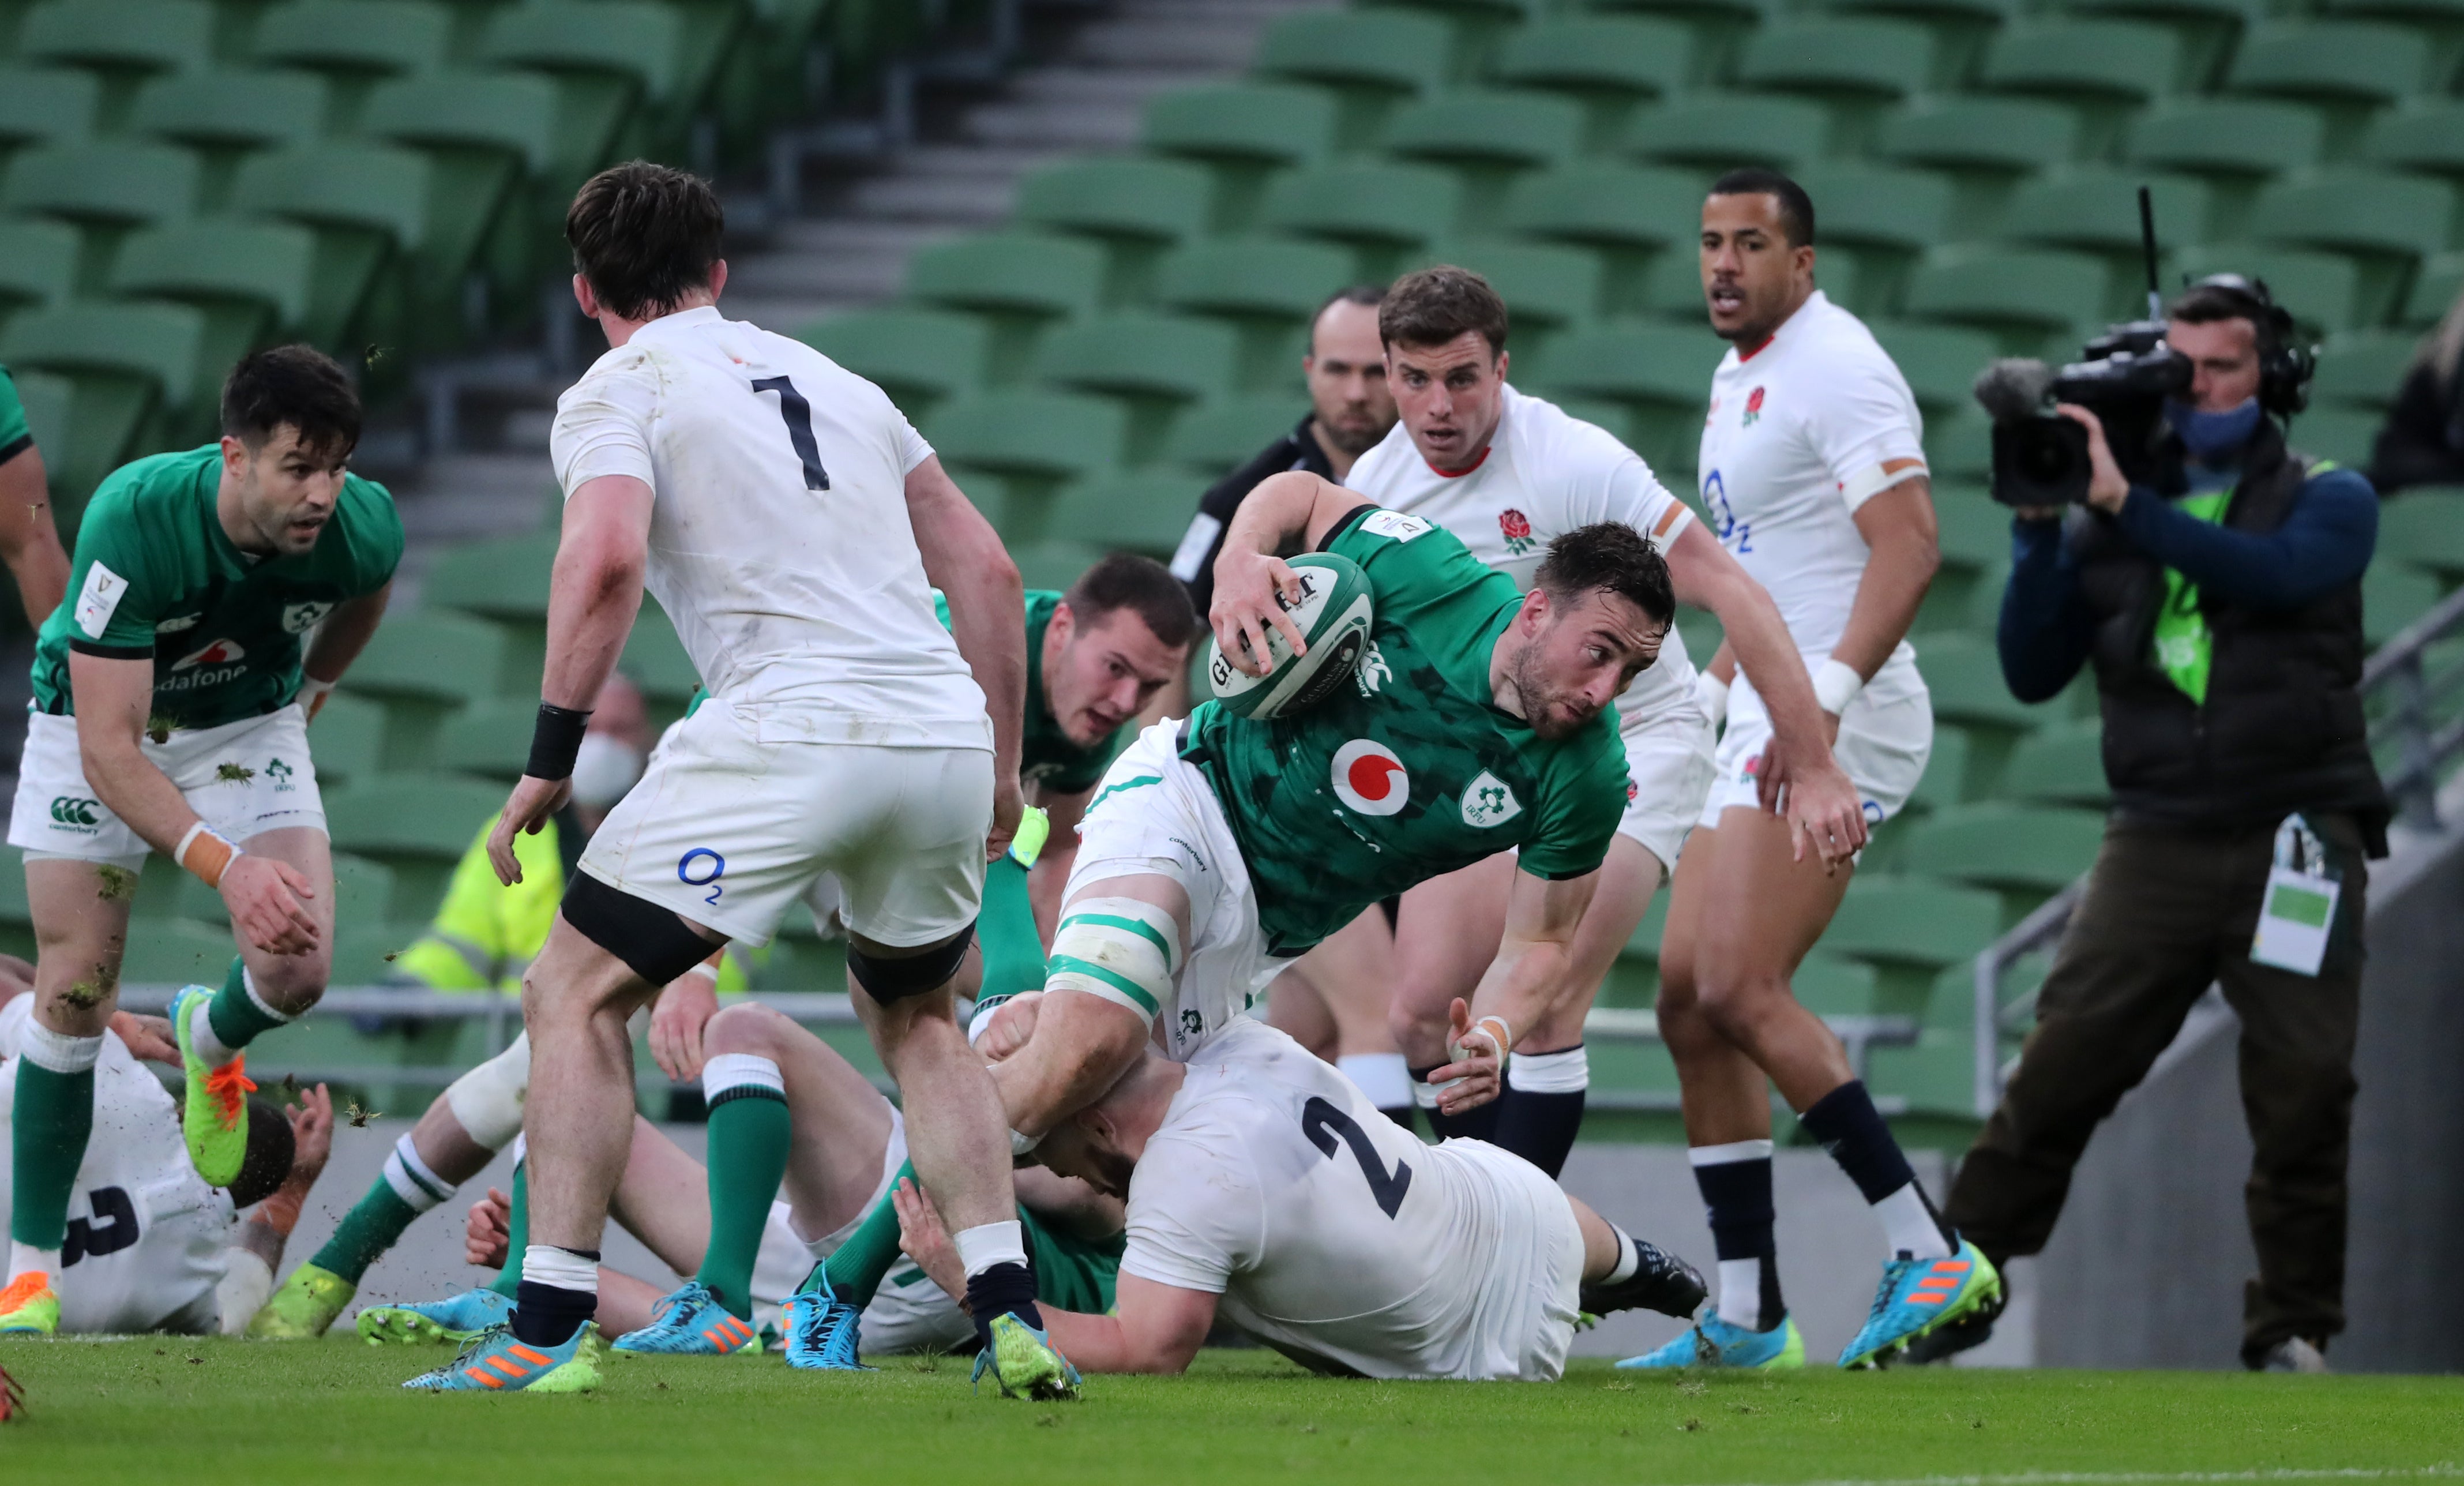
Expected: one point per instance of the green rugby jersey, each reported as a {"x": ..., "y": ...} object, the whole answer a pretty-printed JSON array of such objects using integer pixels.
[
  {"x": 14, "y": 437},
  {"x": 1045, "y": 755},
  {"x": 1414, "y": 770},
  {"x": 156, "y": 576}
]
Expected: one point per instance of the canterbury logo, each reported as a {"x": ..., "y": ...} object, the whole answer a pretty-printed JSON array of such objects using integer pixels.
[{"x": 70, "y": 810}]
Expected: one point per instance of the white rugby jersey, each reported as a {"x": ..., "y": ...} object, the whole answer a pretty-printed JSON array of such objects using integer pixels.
[
  {"x": 1544, "y": 474},
  {"x": 146, "y": 1235},
  {"x": 780, "y": 538},
  {"x": 1795, "y": 442},
  {"x": 1332, "y": 1234}
]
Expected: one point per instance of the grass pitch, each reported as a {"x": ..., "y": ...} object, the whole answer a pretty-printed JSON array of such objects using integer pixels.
[{"x": 199, "y": 1411}]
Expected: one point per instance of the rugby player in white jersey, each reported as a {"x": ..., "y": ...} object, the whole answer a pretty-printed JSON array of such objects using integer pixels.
[
  {"x": 1264, "y": 1184},
  {"x": 1813, "y": 475},
  {"x": 793, "y": 525},
  {"x": 1508, "y": 472}
]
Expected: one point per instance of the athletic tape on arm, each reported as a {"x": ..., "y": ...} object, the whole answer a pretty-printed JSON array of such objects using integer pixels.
[
  {"x": 488, "y": 1099},
  {"x": 1119, "y": 948},
  {"x": 1873, "y": 480}
]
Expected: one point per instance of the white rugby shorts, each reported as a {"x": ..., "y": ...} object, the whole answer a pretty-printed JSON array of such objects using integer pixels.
[
  {"x": 1670, "y": 754},
  {"x": 1155, "y": 814},
  {"x": 1522, "y": 1253},
  {"x": 740, "y": 812},
  {"x": 243, "y": 779},
  {"x": 1885, "y": 736}
]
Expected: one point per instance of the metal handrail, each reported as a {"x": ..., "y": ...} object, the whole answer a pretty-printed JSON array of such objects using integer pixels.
[{"x": 2425, "y": 747}]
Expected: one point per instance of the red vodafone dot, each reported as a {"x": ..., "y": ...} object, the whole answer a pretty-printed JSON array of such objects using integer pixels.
[{"x": 1370, "y": 779}]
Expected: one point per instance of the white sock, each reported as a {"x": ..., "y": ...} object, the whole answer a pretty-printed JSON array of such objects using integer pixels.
[
  {"x": 1629, "y": 1258},
  {"x": 988, "y": 1244},
  {"x": 1740, "y": 1292},
  {"x": 728, "y": 1070},
  {"x": 411, "y": 1180},
  {"x": 1566, "y": 1071},
  {"x": 546, "y": 1264},
  {"x": 27, "y": 1260},
  {"x": 1383, "y": 1076},
  {"x": 1909, "y": 1224}
]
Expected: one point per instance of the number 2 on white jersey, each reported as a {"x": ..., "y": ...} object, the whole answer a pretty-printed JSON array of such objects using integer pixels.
[
  {"x": 1321, "y": 1122},
  {"x": 798, "y": 414}
]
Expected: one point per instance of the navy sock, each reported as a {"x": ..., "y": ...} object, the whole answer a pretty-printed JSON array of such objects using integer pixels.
[
  {"x": 1539, "y": 1127},
  {"x": 1737, "y": 1196},
  {"x": 548, "y": 1315},
  {"x": 997, "y": 1287},
  {"x": 1845, "y": 1122},
  {"x": 1477, "y": 1124}
]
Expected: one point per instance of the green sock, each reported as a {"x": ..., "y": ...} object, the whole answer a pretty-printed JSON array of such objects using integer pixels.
[
  {"x": 53, "y": 1115},
  {"x": 368, "y": 1229},
  {"x": 233, "y": 1014},
  {"x": 856, "y": 1268},
  {"x": 518, "y": 1237},
  {"x": 1006, "y": 935},
  {"x": 749, "y": 1134}
]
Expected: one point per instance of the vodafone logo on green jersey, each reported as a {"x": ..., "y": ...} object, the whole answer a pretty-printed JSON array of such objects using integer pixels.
[
  {"x": 1370, "y": 779},
  {"x": 220, "y": 653}
]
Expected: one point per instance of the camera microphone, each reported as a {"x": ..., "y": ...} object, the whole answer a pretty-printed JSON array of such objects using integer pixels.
[{"x": 2013, "y": 388}]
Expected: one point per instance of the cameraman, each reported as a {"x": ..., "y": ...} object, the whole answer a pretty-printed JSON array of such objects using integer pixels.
[{"x": 2224, "y": 626}]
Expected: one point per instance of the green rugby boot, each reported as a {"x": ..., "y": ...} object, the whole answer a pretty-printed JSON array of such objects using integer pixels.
[
  {"x": 213, "y": 1115},
  {"x": 29, "y": 1308},
  {"x": 1024, "y": 1363},
  {"x": 455, "y": 1319},
  {"x": 306, "y": 1305}
]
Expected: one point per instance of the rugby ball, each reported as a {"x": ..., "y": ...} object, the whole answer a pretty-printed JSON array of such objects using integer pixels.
[{"x": 1333, "y": 614}]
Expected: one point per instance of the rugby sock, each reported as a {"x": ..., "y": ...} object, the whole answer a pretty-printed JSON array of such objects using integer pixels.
[
  {"x": 749, "y": 1134},
  {"x": 517, "y": 1235},
  {"x": 1735, "y": 1181},
  {"x": 998, "y": 1277},
  {"x": 1629, "y": 1258},
  {"x": 1541, "y": 1110},
  {"x": 404, "y": 1190},
  {"x": 1476, "y": 1125},
  {"x": 234, "y": 1018},
  {"x": 52, "y": 1117},
  {"x": 560, "y": 1291},
  {"x": 1847, "y": 1124},
  {"x": 1006, "y": 933},
  {"x": 1385, "y": 1078},
  {"x": 855, "y": 1268}
]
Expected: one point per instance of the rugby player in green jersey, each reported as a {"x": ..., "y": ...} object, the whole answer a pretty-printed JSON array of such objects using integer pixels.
[
  {"x": 1219, "y": 850},
  {"x": 215, "y": 596}
]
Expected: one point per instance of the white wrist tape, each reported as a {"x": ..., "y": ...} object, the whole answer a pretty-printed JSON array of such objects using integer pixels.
[
  {"x": 1836, "y": 684},
  {"x": 1713, "y": 693},
  {"x": 313, "y": 694},
  {"x": 1500, "y": 1035},
  {"x": 1023, "y": 1144}
]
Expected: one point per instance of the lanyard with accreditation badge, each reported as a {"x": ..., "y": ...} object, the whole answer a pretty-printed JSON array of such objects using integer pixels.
[{"x": 2298, "y": 912}]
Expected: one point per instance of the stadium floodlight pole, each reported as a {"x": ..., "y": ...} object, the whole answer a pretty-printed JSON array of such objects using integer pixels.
[{"x": 2148, "y": 247}]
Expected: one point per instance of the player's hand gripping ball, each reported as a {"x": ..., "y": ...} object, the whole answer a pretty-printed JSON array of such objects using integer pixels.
[{"x": 1334, "y": 616}]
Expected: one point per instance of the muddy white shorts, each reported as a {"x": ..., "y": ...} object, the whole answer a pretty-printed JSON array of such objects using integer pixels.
[
  {"x": 740, "y": 812},
  {"x": 243, "y": 779},
  {"x": 1669, "y": 753},
  {"x": 1885, "y": 736}
]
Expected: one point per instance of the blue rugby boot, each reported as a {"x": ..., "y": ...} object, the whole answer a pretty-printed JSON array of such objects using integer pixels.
[
  {"x": 823, "y": 1332},
  {"x": 456, "y": 1320},
  {"x": 1024, "y": 1363},
  {"x": 1917, "y": 1295},
  {"x": 495, "y": 1360},
  {"x": 1713, "y": 1342},
  {"x": 690, "y": 1324}
]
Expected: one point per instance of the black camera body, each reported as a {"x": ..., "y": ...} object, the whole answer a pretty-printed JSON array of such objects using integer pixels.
[{"x": 2040, "y": 457}]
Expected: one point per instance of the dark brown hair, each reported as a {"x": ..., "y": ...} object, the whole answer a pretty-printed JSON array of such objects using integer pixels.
[
  {"x": 1127, "y": 581},
  {"x": 645, "y": 237},
  {"x": 1432, "y": 306},
  {"x": 1609, "y": 557},
  {"x": 298, "y": 385}
]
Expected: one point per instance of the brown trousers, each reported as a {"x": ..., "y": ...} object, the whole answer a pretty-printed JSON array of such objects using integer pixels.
[{"x": 2168, "y": 911}]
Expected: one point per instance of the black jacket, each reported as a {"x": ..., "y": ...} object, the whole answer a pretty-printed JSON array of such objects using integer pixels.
[{"x": 1195, "y": 563}]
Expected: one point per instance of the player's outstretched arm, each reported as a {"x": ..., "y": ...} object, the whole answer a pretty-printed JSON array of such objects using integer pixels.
[
  {"x": 267, "y": 898},
  {"x": 963, "y": 557},
  {"x": 1533, "y": 975},
  {"x": 339, "y": 639},
  {"x": 1291, "y": 509},
  {"x": 1821, "y": 804}
]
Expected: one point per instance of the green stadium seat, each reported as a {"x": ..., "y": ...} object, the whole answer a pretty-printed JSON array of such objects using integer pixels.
[
  {"x": 1216, "y": 438},
  {"x": 171, "y": 951},
  {"x": 1019, "y": 282},
  {"x": 2208, "y": 28},
  {"x": 2386, "y": 223},
  {"x": 2424, "y": 135},
  {"x": 1964, "y": 672},
  {"x": 423, "y": 667},
  {"x": 353, "y": 43},
  {"x": 1872, "y": 222},
  {"x": 1486, "y": 137},
  {"x": 1135, "y": 207},
  {"x": 505, "y": 579},
  {"x": 918, "y": 357},
  {"x": 1609, "y": 65},
  {"x": 2034, "y": 299},
  {"x": 418, "y": 824},
  {"x": 1380, "y": 212},
  {"x": 1718, "y": 26},
  {"x": 2364, "y": 368},
  {"x": 1911, "y": 921},
  {"x": 367, "y": 206},
  {"x": 223, "y": 115},
  {"x": 251, "y": 279},
  {"x": 2059, "y": 763},
  {"x": 2350, "y": 65},
  {"x": 121, "y": 42},
  {"x": 38, "y": 264},
  {"x": 1146, "y": 510},
  {"x": 1716, "y": 132},
  {"x": 1054, "y": 562},
  {"x": 42, "y": 106},
  {"x": 2435, "y": 290},
  {"x": 2321, "y": 289},
  {"x": 1370, "y": 60},
  {"x": 1549, "y": 290},
  {"x": 2103, "y": 71},
  {"x": 1152, "y": 364},
  {"x": 1985, "y": 144},
  {"x": 657, "y": 660},
  {"x": 1961, "y": 28},
  {"x": 1973, "y": 530},
  {"x": 1242, "y": 134},
  {"x": 104, "y": 188},
  {"x": 1626, "y": 216},
  {"x": 349, "y": 739},
  {"x": 1939, "y": 362},
  {"x": 2094, "y": 209},
  {"x": 1959, "y": 444},
  {"x": 1857, "y": 66},
  {"x": 487, "y": 138},
  {"x": 2438, "y": 23},
  {"x": 2025, "y": 853},
  {"x": 2344, "y": 434},
  {"x": 2393, "y": 595},
  {"x": 490, "y": 738},
  {"x": 2428, "y": 527},
  {"x": 1658, "y": 375},
  {"x": 1266, "y": 289},
  {"x": 1032, "y": 442},
  {"x": 2234, "y": 143},
  {"x": 617, "y": 66},
  {"x": 133, "y": 370}
]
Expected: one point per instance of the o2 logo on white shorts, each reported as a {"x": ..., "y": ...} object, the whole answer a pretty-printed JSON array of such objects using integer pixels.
[
  {"x": 1370, "y": 779},
  {"x": 702, "y": 867}
]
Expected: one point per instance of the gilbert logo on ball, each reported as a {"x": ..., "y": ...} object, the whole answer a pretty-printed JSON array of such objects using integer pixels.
[
  {"x": 1332, "y": 614},
  {"x": 1370, "y": 779}
]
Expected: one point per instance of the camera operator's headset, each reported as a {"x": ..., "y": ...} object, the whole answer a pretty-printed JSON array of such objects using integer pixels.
[{"x": 2284, "y": 364}]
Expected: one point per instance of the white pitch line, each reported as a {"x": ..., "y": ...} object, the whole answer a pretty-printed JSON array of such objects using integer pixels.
[{"x": 2445, "y": 1469}]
